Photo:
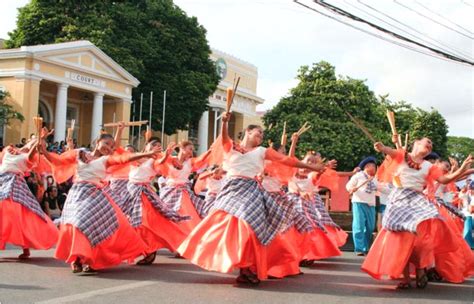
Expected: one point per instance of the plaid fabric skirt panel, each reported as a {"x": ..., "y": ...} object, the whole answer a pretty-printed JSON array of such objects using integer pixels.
[
  {"x": 136, "y": 191},
  {"x": 88, "y": 209},
  {"x": 406, "y": 208},
  {"x": 14, "y": 186},
  {"x": 245, "y": 199}
]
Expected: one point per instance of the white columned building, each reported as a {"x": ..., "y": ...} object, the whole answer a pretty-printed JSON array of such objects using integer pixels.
[
  {"x": 97, "y": 113},
  {"x": 60, "y": 113}
]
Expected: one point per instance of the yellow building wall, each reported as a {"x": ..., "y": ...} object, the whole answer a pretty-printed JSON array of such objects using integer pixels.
[{"x": 24, "y": 95}]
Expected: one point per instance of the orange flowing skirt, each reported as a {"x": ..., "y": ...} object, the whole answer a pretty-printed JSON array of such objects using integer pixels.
[
  {"x": 223, "y": 242},
  {"x": 22, "y": 227},
  {"x": 187, "y": 208},
  {"x": 320, "y": 246},
  {"x": 338, "y": 235},
  {"x": 391, "y": 251},
  {"x": 455, "y": 266},
  {"x": 157, "y": 231},
  {"x": 285, "y": 252},
  {"x": 124, "y": 244}
]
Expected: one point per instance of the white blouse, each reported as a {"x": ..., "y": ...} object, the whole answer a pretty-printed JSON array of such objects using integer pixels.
[
  {"x": 94, "y": 171},
  {"x": 249, "y": 164},
  {"x": 412, "y": 178},
  {"x": 301, "y": 185},
  {"x": 143, "y": 173},
  {"x": 14, "y": 163},
  {"x": 179, "y": 177}
]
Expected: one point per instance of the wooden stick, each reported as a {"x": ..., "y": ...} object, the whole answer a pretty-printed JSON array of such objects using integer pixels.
[
  {"x": 284, "y": 137},
  {"x": 391, "y": 120},
  {"x": 38, "y": 121},
  {"x": 406, "y": 141},
  {"x": 303, "y": 128},
  {"x": 361, "y": 127},
  {"x": 70, "y": 131},
  {"x": 127, "y": 124},
  {"x": 148, "y": 134},
  {"x": 361, "y": 185},
  {"x": 231, "y": 95}
]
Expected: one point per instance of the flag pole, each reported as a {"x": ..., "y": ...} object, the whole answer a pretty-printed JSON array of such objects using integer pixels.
[{"x": 163, "y": 120}]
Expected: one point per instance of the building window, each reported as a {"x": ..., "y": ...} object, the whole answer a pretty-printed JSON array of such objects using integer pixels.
[{"x": 218, "y": 97}]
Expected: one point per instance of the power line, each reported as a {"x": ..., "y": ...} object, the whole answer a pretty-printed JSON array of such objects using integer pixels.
[
  {"x": 377, "y": 36},
  {"x": 441, "y": 16},
  {"x": 465, "y": 2},
  {"x": 429, "y": 18},
  {"x": 355, "y": 18},
  {"x": 447, "y": 47}
]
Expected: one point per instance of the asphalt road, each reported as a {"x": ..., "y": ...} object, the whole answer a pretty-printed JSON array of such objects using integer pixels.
[{"x": 43, "y": 280}]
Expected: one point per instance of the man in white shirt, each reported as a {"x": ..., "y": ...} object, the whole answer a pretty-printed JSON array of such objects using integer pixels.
[
  {"x": 363, "y": 188},
  {"x": 467, "y": 197}
]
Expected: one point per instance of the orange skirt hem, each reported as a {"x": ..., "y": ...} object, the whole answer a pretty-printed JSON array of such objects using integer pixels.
[{"x": 24, "y": 228}]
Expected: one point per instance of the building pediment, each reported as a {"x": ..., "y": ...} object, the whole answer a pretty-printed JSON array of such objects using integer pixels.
[{"x": 83, "y": 56}]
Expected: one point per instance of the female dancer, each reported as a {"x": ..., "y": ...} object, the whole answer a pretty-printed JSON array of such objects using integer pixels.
[
  {"x": 154, "y": 221},
  {"x": 244, "y": 219},
  {"x": 178, "y": 191},
  {"x": 413, "y": 231},
  {"x": 93, "y": 230},
  {"x": 22, "y": 221}
]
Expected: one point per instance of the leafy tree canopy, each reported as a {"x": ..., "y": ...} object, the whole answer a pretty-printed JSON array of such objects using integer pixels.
[{"x": 322, "y": 99}]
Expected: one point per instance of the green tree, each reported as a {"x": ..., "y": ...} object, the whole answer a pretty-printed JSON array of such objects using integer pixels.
[
  {"x": 153, "y": 39},
  {"x": 322, "y": 98},
  {"x": 460, "y": 147},
  {"x": 432, "y": 125},
  {"x": 6, "y": 111}
]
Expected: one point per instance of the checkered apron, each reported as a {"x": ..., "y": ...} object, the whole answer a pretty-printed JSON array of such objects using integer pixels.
[
  {"x": 208, "y": 203},
  {"x": 406, "y": 209},
  {"x": 325, "y": 217},
  {"x": 88, "y": 209},
  {"x": 172, "y": 196},
  {"x": 117, "y": 189},
  {"x": 245, "y": 199},
  {"x": 453, "y": 211},
  {"x": 136, "y": 215},
  {"x": 306, "y": 216},
  {"x": 14, "y": 186}
]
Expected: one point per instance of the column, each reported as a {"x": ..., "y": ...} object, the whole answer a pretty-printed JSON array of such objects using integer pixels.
[
  {"x": 203, "y": 132},
  {"x": 97, "y": 115},
  {"x": 60, "y": 113}
]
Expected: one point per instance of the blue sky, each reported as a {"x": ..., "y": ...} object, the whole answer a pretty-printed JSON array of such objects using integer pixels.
[{"x": 278, "y": 36}]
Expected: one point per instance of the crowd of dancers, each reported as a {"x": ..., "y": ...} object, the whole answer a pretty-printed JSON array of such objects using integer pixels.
[{"x": 261, "y": 214}]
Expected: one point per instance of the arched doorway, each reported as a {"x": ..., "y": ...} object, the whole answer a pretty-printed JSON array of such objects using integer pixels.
[{"x": 44, "y": 111}]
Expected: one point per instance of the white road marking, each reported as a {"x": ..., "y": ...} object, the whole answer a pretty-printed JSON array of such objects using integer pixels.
[{"x": 98, "y": 292}]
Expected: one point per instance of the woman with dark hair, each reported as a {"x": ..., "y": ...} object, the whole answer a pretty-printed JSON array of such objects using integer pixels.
[
  {"x": 51, "y": 203},
  {"x": 23, "y": 222},
  {"x": 156, "y": 222},
  {"x": 244, "y": 219},
  {"x": 93, "y": 230},
  {"x": 178, "y": 192},
  {"x": 413, "y": 231}
]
